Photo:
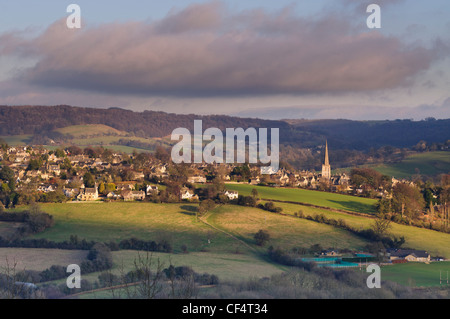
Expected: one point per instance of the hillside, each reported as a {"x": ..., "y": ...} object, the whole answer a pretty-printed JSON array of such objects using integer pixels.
[
  {"x": 428, "y": 163},
  {"x": 309, "y": 197},
  {"x": 431, "y": 164},
  {"x": 89, "y": 130},
  {"x": 351, "y": 143},
  {"x": 342, "y": 134}
]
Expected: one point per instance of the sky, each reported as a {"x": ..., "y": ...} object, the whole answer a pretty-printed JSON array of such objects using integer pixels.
[{"x": 252, "y": 58}]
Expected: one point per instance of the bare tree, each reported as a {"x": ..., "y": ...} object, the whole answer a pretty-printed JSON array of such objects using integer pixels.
[
  {"x": 11, "y": 284},
  {"x": 381, "y": 226},
  {"x": 145, "y": 281}
]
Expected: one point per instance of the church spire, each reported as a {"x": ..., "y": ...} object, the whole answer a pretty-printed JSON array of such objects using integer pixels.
[{"x": 326, "y": 169}]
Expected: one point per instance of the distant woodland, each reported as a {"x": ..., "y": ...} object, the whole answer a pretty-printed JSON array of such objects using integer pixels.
[{"x": 302, "y": 141}]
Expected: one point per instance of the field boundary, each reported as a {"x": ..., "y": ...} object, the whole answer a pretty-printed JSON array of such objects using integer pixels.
[
  {"x": 320, "y": 207},
  {"x": 227, "y": 233}
]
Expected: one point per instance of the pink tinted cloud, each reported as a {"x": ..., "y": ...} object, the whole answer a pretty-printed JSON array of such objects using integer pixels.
[{"x": 205, "y": 50}]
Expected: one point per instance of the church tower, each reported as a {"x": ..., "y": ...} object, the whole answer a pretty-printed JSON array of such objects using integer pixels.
[{"x": 326, "y": 169}]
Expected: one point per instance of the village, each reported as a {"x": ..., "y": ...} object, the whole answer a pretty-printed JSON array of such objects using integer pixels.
[{"x": 82, "y": 177}]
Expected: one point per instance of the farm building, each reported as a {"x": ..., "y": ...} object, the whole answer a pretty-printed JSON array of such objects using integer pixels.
[{"x": 410, "y": 255}]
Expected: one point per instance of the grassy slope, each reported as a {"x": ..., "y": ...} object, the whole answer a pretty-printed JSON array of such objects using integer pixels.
[
  {"x": 93, "y": 135},
  {"x": 78, "y": 131},
  {"x": 286, "y": 232},
  {"x": 434, "y": 242},
  {"x": 177, "y": 223},
  {"x": 117, "y": 221},
  {"x": 17, "y": 140},
  {"x": 224, "y": 256},
  {"x": 332, "y": 200},
  {"x": 432, "y": 163}
]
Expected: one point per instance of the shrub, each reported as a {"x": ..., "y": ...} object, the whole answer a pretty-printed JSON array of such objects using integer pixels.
[{"x": 262, "y": 237}]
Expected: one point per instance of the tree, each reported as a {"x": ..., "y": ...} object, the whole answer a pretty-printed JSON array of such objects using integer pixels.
[
  {"x": 205, "y": 206},
  {"x": 34, "y": 164},
  {"x": 7, "y": 175},
  {"x": 407, "y": 200},
  {"x": 162, "y": 154},
  {"x": 380, "y": 226},
  {"x": 369, "y": 179},
  {"x": 66, "y": 164},
  {"x": 246, "y": 201},
  {"x": 74, "y": 150},
  {"x": 101, "y": 188},
  {"x": 255, "y": 193},
  {"x": 110, "y": 187},
  {"x": 261, "y": 237},
  {"x": 89, "y": 180},
  {"x": 60, "y": 153}
]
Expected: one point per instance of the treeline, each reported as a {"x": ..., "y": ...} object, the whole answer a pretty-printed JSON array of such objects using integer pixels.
[
  {"x": 19, "y": 120},
  {"x": 142, "y": 245},
  {"x": 33, "y": 221},
  {"x": 140, "y": 144},
  {"x": 367, "y": 135},
  {"x": 171, "y": 273},
  {"x": 75, "y": 244}
]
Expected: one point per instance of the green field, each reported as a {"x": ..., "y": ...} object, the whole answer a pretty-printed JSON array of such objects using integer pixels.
[
  {"x": 17, "y": 140},
  {"x": 417, "y": 274},
  {"x": 88, "y": 130},
  {"x": 225, "y": 247},
  {"x": 221, "y": 244},
  {"x": 117, "y": 221},
  {"x": 285, "y": 231},
  {"x": 431, "y": 163},
  {"x": 332, "y": 200},
  {"x": 177, "y": 223}
]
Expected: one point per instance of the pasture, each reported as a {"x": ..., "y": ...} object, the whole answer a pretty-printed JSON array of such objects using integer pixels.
[
  {"x": 324, "y": 199},
  {"x": 38, "y": 259},
  {"x": 429, "y": 164},
  {"x": 417, "y": 274},
  {"x": 177, "y": 224}
]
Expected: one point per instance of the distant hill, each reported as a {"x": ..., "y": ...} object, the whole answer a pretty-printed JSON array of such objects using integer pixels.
[
  {"x": 350, "y": 142},
  {"x": 21, "y": 120},
  {"x": 361, "y": 135}
]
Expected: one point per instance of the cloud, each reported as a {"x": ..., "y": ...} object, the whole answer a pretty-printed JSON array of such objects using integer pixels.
[
  {"x": 205, "y": 50},
  {"x": 352, "y": 112}
]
